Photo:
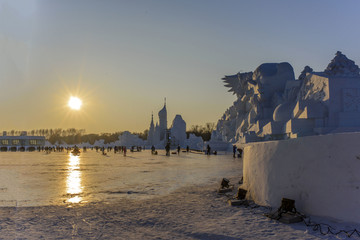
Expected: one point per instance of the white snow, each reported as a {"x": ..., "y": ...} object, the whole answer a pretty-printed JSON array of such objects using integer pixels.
[
  {"x": 321, "y": 173},
  {"x": 190, "y": 210},
  {"x": 272, "y": 105},
  {"x": 178, "y": 131}
]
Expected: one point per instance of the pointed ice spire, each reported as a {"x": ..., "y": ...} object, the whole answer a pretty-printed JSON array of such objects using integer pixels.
[
  {"x": 163, "y": 111},
  {"x": 152, "y": 120}
]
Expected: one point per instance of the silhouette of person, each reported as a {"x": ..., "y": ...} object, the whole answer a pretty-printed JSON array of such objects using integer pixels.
[
  {"x": 234, "y": 151},
  {"x": 167, "y": 148},
  {"x": 240, "y": 152}
]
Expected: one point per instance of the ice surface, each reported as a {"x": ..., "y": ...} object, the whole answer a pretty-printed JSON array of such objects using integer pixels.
[{"x": 35, "y": 179}]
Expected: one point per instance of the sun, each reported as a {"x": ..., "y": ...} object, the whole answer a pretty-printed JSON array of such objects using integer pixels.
[{"x": 75, "y": 103}]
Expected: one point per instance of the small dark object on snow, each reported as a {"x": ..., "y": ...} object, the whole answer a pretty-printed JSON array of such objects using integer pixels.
[
  {"x": 241, "y": 194},
  {"x": 286, "y": 213},
  {"x": 287, "y": 205},
  {"x": 225, "y": 183},
  {"x": 238, "y": 202}
]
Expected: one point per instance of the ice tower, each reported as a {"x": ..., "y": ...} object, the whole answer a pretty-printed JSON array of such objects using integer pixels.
[{"x": 163, "y": 121}]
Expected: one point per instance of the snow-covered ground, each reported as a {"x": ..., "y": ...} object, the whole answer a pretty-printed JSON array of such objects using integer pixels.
[{"x": 183, "y": 205}]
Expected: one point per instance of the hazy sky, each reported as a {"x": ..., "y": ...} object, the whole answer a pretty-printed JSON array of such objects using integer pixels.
[{"x": 123, "y": 57}]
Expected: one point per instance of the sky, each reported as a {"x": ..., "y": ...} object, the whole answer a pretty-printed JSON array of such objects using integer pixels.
[{"x": 122, "y": 58}]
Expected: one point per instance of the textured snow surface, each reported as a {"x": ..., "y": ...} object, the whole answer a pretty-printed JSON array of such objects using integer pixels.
[{"x": 193, "y": 212}]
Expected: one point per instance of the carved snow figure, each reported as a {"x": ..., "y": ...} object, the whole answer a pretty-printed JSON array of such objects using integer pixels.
[
  {"x": 306, "y": 70},
  {"x": 238, "y": 82},
  {"x": 259, "y": 93},
  {"x": 271, "y": 78},
  {"x": 342, "y": 66},
  {"x": 271, "y": 104}
]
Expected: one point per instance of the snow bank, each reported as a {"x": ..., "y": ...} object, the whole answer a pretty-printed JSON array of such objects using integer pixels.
[{"x": 321, "y": 173}]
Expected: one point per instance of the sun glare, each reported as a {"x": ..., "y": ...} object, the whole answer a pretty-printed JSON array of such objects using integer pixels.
[{"x": 74, "y": 103}]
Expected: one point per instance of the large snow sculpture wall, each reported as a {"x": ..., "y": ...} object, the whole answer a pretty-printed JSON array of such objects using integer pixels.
[
  {"x": 321, "y": 173},
  {"x": 272, "y": 105}
]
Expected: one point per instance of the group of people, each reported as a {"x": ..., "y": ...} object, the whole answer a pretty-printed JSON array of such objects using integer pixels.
[
  {"x": 167, "y": 149},
  {"x": 208, "y": 150},
  {"x": 239, "y": 150}
]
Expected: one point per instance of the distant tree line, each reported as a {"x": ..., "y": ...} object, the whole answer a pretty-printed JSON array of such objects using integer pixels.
[
  {"x": 202, "y": 131},
  {"x": 75, "y": 136}
]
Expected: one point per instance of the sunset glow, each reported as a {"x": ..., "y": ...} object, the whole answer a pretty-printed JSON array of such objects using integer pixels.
[{"x": 74, "y": 103}]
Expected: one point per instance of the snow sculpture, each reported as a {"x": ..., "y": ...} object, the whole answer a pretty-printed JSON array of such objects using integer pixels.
[
  {"x": 271, "y": 104},
  {"x": 158, "y": 134},
  {"x": 237, "y": 83},
  {"x": 271, "y": 79},
  {"x": 151, "y": 135},
  {"x": 259, "y": 93},
  {"x": 178, "y": 131},
  {"x": 306, "y": 70},
  {"x": 194, "y": 142},
  {"x": 342, "y": 66},
  {"x": 163, "y": 122},
  {"x": 128, "y": 139}
]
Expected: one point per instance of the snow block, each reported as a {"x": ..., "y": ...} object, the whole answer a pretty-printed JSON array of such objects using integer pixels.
[{"x": 321, "y": 173}]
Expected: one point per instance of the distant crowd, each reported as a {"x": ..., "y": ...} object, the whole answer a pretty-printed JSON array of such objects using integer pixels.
[{"x": 237, "y": 152}]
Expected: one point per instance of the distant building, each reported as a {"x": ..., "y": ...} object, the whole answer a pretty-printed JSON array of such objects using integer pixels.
[
  {"x": 159, "y": 134},
  {"x": 22, "y": 142}
]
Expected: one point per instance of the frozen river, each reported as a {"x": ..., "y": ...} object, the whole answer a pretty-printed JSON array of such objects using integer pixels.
[{"x": 37, "y": 179}]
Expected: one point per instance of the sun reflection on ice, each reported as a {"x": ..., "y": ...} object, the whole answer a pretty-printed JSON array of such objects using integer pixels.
[{"x": 73, "y": 181}]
